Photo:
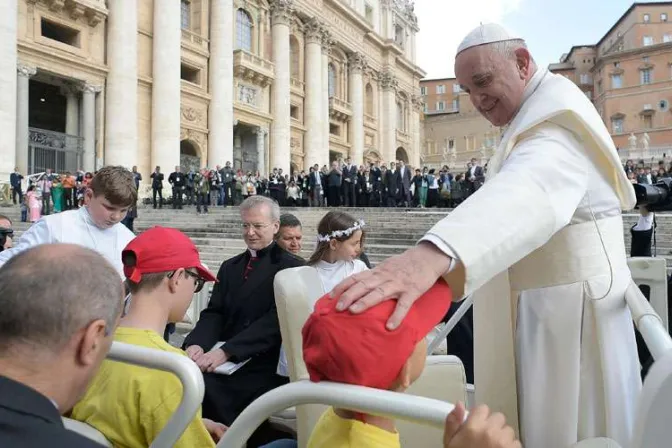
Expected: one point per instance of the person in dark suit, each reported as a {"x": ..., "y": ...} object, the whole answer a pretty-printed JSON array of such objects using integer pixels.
[
  {"x": 316, "y": 187},
  {"x": 349, "y": 183},
  {"x": 392, "y": 185},
  {"x": 242, "y": 314},
  {"x": 334, "y": 180},
  {"x": 404, "y": 183},
  {"x": 53, "y": 344},
  {"x": 475, "y": 176},
  {"x": 15, "y": 180}
]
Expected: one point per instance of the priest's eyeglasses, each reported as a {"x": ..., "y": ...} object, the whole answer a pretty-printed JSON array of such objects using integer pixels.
[{"x": 198, "y": 281}]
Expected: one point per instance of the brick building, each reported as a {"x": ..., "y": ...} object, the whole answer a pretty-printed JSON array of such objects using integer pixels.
[{"x": 628, "y": 74}]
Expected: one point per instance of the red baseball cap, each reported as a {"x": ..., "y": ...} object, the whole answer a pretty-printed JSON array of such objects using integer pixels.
[
  {"x": 162, "y": 249},
  {"x": 358, "y": 348}
]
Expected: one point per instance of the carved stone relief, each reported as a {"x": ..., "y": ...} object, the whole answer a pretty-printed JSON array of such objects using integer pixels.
[
  {"x": 247, "y": 95},
  {"x": 192, "y": 114}
]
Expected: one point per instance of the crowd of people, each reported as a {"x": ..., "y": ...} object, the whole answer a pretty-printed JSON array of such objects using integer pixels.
[{"x": 643, "y": 173}]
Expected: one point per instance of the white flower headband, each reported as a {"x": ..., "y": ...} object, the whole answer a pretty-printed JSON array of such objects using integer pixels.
[{"x": 340, "y": 233}]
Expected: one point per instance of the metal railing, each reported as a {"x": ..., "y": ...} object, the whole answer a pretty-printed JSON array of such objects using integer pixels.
[{"x": 55, "y": 150}]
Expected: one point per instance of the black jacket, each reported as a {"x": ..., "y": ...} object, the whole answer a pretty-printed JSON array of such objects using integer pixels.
[{"x": 30, "y": 420}]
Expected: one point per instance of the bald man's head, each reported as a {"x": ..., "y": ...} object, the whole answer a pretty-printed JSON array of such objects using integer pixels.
[{"x": 44, "y": 305}]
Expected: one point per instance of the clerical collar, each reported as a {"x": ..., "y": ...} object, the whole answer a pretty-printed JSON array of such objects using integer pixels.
[{"x": 260, "y": 252}]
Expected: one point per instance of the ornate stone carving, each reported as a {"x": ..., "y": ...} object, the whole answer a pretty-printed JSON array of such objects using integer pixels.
[
  {"x": 259, "y": 130},
  {"x": 26, "y": 70},
  {"x": 294, "y": 143},
  {"x": 327, "y": 43},
  {"x": 387, "y": 79},
  {"x": 55, "y": 5},
  {"x": 192, "y": 114},
  {"x": 314, "y": 30},
  {"x": 76, "y": 9},
  {"x": 418, "y": 103},
  {"x": 247, "y": 95},
  {"x": 94, "y": 17},
  {"x": 91, "y": 88},
  {"x": 358, "y": 62},
  {"x": 282, "y": 12}
]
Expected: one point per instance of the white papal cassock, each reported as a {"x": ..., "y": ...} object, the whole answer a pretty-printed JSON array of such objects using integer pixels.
[
  {"x": 541, "y": 247},
  {"x": 75, "y": 227}
]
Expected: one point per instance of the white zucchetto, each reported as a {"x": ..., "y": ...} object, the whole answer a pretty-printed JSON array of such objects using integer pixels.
[{"x": 486, "y": 34}]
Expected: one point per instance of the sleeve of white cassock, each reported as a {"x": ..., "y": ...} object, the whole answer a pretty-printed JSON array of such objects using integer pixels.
[
  {"x": 535, "y": 194},
  {"x": 37, "y": 234}
]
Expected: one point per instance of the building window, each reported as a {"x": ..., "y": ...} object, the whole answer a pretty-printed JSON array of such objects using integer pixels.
[
  {"x": 663, "y": 105},
  {"x": 424, "y": 107},
  {"x": 456, "y": 105},
  {"x": 334, "y": 129},
  {"x": 186, "y": 14},
  {"x": 294, "y": 111},
  {"x": 332, "y": 80},
  {"x": 400, "y": 116},
  {"x": 190, "y": 74},
  {"x": 585, "y": 78},
  {"x": 441, "y": 106},
  {"x": 667, "y": 38},
  {"x": 243, "y": 31},
  {"x": 369, "y": 100},
  {"x": 646, "y": 76},
  {"x": 368, "y": 13},
  {"x": 647, "y": 40},
  {"x": 616, "y": 81},
  {"x": 663, "y": 17},
  {"x": 451, "y": 143},
  {"x": 648, "y": 121},
  {"x": 295, "y": 54},
  {"x": 440, "y": 89},
  {"x": 399, "y": 35},
  {"x": 647, "y": 18},
  {"x": 60, "y": 33},
  {"x": 617, "y": 125},
  {"x": 423, "y": 90},
  {"x": 456, "y": 88},
  {"x": 599, "y": 87}
]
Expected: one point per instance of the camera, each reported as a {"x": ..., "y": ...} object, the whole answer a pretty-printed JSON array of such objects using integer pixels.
[{"x": 655, "y": 197}]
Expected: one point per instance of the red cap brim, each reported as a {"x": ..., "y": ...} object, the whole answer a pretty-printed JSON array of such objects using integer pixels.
[{"x": 205, "y": 274}]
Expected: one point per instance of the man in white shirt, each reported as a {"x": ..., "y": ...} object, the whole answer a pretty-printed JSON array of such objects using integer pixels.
[
  {"x": 97, "y": 225},
  {"x": 541, "y": 248}
]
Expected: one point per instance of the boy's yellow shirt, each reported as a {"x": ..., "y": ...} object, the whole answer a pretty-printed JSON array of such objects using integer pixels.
[
  {"x": 332, "y": 431},
  {"x": 130, "y": 404}
]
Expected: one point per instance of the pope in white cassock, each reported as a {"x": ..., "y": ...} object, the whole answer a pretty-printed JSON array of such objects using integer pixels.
[{"x": 540, "y": 246}]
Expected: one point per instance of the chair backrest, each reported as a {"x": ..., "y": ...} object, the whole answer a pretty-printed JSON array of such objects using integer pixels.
[
  {"x": 296, "y": 290},
  {"x": 652, "y": 272},
  {"x": 86, "y": 430},
  {"x": 652, "y": 426}
]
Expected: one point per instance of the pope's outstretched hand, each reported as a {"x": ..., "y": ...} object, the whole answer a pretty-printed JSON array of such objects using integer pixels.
[{"x": 404, "y": 277}]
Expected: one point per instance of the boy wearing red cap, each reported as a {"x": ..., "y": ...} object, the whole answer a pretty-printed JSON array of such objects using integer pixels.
[
  {"x": 358, "y": 349},
  {"x": 163, "y": 271}
]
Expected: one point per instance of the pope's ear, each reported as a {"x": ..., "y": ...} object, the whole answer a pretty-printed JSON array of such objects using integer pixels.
[{"x": 523, "y": 61}]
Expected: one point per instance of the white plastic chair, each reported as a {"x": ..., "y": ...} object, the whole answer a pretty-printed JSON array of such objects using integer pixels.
[
  {"x": 296, "y": 290},
  {"x": 418, "y": 410},
  {"x": 652, "y": 272},
  {"x": 187, "y": 372}
]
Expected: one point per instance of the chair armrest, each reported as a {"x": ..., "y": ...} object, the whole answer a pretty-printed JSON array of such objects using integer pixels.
[
  {"x": 597, "y": 442},
  {"x": 86, "y": 430}
]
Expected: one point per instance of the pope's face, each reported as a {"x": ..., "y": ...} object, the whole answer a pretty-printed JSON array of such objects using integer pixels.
[{"x": 494, "y": 82}]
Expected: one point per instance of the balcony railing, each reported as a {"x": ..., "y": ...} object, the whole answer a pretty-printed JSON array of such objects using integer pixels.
[
  {"x": 194, "y": 39},
  {"x": 55, "y": 150},
  {"x": 253, "y": 68},
  {"x": 339, "y": 109},
  {"x": 297, "y": 85}
]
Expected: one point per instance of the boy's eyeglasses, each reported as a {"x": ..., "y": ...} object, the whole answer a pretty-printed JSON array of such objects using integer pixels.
[{"x": 199, "y": 282}]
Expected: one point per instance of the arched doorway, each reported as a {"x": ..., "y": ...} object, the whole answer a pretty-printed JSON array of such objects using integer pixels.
[
  {"x": 371, "y": 157},
  {"x": 190, "y": 160},
  {"x": 402, "y": 155}
]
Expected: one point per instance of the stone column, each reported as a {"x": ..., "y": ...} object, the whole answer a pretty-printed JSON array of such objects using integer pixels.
[
  {"x": 281, "y": 11},
  {"x": 415, "y": 126},
  {"x": 261, "y": 149},
  {"x": 358, "y": 64},
  {"x": 166, "y": 87},
  {"x": 121, "y": 105},
  {"x": 220, "y": 115},
  {"x": 25, "y": 72},
  {"x": 8, "y": 93},
  {"x": 71, "y": 122},
  {"x": 327, "y": 44},
  {"x": 89, "y": 126},
  {"x": 314, "y": 142},
  {"x": 388, "y": 84}
]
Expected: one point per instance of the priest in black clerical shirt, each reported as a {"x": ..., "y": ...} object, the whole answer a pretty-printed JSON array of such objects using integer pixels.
[{"x": 242, "y": 314}]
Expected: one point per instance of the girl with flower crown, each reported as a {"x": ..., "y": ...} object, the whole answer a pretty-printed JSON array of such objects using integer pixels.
[{"x": 339, "y": 243}]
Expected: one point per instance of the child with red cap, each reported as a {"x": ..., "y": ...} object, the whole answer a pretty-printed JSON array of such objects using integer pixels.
[
  {"x": 130, "y": 404},
  {"x": 358, "y": 349}
]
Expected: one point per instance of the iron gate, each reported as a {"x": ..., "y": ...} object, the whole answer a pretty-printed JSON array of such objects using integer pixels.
[{"x": 49, "y": 149}]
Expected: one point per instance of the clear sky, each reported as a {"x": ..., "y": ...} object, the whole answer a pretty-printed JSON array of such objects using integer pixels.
[{"x": 550, "y": 27}]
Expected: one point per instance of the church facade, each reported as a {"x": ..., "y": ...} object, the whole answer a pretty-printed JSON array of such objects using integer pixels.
[{"x": 263, "y": 84}]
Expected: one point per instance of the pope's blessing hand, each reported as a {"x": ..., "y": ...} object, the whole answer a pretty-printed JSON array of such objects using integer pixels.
[{"x": 404, "y": 277}]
